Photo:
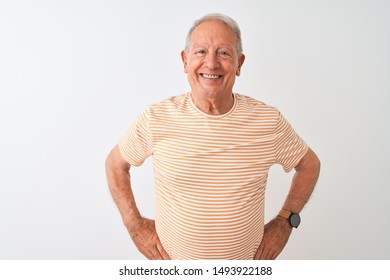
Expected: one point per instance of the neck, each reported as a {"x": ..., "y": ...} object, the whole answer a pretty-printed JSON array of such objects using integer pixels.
[{"x": 213, "y": 106}]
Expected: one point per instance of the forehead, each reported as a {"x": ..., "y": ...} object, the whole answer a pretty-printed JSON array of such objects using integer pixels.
[{"x": 213, "y": 31}]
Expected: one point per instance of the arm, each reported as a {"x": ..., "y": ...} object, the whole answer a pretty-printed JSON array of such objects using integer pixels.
[
  {"x": 141, "y": 230},
  {"x": 278, "y": 230}
]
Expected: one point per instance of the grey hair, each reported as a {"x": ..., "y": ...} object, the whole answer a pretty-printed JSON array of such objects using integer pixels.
[{"x": 228, "y": 21}]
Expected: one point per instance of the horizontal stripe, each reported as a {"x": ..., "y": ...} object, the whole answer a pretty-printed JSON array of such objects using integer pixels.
[{"x": 210, "y": 172}]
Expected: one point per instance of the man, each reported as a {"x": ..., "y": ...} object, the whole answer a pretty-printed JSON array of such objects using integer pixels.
[{"x": 212, "y": 150}]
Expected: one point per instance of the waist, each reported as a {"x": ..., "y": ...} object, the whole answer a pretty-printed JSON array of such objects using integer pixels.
[{"x": 216, "y": 233}]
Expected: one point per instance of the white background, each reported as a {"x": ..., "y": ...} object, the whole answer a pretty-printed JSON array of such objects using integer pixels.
[{"x": 74, "y": 74}]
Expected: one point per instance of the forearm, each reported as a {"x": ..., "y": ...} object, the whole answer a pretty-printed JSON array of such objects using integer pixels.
[
  {"x": 142, "y": 231},
  {"x": 278, "y": 230},
  {"x": 303, "y": 183},
  {"x": 118, "y": 177}
]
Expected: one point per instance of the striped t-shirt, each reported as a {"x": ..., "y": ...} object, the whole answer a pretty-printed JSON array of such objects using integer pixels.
[{"x": 210, "y": 172}]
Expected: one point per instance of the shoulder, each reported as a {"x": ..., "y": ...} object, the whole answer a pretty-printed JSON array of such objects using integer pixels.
[
  {"x": 172, "y": 106},
  {"x": 253, "y": 105},
  {"x": 171, "y": 102}
]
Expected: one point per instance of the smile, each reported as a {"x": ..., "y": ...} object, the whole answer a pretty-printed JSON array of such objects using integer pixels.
[{"x": 207, "y": 76}]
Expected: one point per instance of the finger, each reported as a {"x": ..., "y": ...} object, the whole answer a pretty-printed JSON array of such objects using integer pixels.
[
  {"x": 155, "y": 253},
  {"x": 162, "y": 251},
  {"x": 147, "y": 254},
  {"x": 259, "y": 251},
  {"x": 266, "y": 255},
  {"x": 150, "y": 253}
]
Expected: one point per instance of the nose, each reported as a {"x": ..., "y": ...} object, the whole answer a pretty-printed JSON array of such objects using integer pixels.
[{"x": 211, "y": 60}]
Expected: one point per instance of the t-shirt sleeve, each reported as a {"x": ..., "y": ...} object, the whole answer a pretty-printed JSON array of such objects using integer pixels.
[
  {"x": 136, "y": 144},
  {"x": 289, "y": 147}
]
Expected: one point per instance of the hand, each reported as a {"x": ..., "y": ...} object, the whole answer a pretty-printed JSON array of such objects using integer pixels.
[
  {"x": 145, "y": 237},
  {"x": 275, "y": 237}
]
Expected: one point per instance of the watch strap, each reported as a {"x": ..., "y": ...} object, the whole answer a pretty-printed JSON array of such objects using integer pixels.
[{"x": 285, "y": 213}]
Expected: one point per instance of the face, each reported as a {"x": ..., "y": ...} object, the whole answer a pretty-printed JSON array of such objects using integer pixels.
[{"x": 211, "y": 61}]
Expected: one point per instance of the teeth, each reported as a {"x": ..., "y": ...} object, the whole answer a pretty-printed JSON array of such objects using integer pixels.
[{"x": 210, "y": 76}]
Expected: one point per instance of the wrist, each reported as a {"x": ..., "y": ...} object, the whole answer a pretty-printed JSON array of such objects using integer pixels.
[
  {"x": 293, "y": 219},
  {"x": 283, "y": 222},
  {"x": 132, "y": 221}
]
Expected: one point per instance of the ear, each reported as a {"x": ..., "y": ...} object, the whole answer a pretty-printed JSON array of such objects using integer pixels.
[
  {"x": 241, "y": 60},
  {"x": 184, "y": 59}
]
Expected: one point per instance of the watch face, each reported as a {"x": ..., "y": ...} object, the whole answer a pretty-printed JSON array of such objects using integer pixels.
[{"x": 295, "y": 220}]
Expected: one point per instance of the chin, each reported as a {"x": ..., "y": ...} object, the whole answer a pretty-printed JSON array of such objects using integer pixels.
[{"x": 215, "y": 94}]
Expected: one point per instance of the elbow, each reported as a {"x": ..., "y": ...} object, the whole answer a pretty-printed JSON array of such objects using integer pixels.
[
  {"x": 315, "y": 166},
  {"x": 114, "y": 163},
  {"x": 108, "y": 163},
  {"x": 310, "y": 162}
]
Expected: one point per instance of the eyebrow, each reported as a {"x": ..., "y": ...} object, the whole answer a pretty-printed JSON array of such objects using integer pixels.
[{"x": 218, "y": 47}]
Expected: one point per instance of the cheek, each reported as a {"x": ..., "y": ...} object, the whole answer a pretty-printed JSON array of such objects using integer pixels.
[
  {"x": 194, "y": 62},
  {"x": 193, "y": 65}
]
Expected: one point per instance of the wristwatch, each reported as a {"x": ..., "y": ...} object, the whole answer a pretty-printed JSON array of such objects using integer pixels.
[{"x": 293, "y": 218}]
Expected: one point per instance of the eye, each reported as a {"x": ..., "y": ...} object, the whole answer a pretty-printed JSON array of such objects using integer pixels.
[
  {"x": 223, "y": 53},
  {"x": 200, "y": 52}
]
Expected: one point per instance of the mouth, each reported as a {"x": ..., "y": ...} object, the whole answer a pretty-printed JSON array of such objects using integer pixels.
[{"x": 209, "y": 76}]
